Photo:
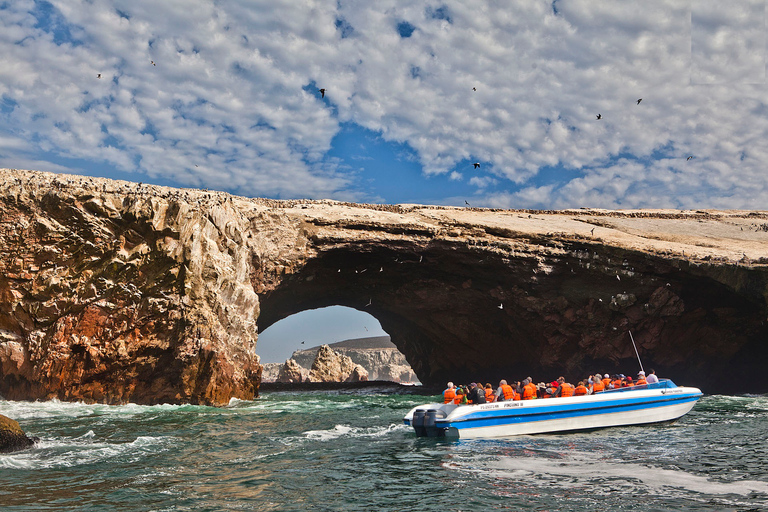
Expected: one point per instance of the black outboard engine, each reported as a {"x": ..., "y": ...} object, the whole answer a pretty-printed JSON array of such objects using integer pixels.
[
  {"x": 418, "y": 422},
  {"x": 429, "y": 423}
]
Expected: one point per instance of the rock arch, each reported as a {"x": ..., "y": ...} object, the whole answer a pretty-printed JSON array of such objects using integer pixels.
[{"x": 114, "y": 292}]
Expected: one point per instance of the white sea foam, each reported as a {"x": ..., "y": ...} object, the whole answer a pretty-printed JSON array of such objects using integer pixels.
[
  {"x": 581, "y": 468},
  {"x": 347, "y": 431}
]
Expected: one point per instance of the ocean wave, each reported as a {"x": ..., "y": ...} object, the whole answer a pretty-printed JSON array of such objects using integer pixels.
[
  {"x": 60, "y": 452},
  {"x": 347, "y": 431}
]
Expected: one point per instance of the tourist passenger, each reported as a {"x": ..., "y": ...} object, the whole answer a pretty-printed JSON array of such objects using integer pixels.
[
  {"x": 505, "y": 392},
  {"x": 640, "y": 378},
  {"x": 449, "y": 394},
  {"x": 580, "y": 389},
  {"x": 476, "y": 394},
  {"x": 607, "y": 381},
  {"x": 564, "y": 389},
  {"x": 461, "y": 396},
  {"x": 490, "y": 396},
  {"x": 529, "y": 389},
  {"x": 597, "y": 384},
  {"x": 652, "y": 378},
  {"x": 616, "y": 381}
]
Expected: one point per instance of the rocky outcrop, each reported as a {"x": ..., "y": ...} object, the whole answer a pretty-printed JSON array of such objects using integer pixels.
[
  {"x": 116, "y": 292},
  {"x": 330, "y": 366},
  {"x": 377, "y": 355},
  {"x": 12, "y": 437},
  {"x": 292, "y": 373}
]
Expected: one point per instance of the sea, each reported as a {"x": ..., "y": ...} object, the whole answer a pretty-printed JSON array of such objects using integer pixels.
[{"x": 349, "y": 450}]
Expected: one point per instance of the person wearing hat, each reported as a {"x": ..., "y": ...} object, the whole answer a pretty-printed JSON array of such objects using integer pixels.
[
  {"x": 476, "y": 394},
  {"x": 652, "y": 378},
  {"x": 641, "y": 379}
]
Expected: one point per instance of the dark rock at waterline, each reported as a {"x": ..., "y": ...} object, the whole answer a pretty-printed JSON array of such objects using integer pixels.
[{"x": 12, "y": 437}]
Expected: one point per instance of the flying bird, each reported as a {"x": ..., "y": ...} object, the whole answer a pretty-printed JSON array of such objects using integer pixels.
[
  {"x": 302, "y": 342},
  {"x": 638, "y": 101},
  {"x": 153, "y": 63},
  {"x": 322, "y": 93},
  {"x": 369, "y": 303},
  {"x": 466, "y": 203},
  {"x": 98, "y": 76},
  {"x": 500, "y": 306},
  {"x": 599, "y": 116},
  {"x": 476, "y": 165},
  {"x": 474, "y": 88},
  {"x": 689, "y": 158}
]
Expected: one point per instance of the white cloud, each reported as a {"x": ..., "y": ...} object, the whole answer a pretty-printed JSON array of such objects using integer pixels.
[{"x": 229, "y": 100}]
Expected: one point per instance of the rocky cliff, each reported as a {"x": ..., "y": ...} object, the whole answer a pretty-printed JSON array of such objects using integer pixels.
[{"x": 113, "y": 291}]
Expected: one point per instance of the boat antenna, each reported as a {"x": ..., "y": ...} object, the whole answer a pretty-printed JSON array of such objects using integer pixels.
[{"x": 636, "y": 353}]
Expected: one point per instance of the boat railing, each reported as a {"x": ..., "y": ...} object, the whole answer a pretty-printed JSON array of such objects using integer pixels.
[{"x": 662, "y": 384}]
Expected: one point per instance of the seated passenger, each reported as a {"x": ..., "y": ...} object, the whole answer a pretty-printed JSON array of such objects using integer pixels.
[
  {"x": 529, "y": 389},
  {"x": 640, "y": 378},
  {"x": 580, "y": 389},
  {"x": 461, "y": 397},
  {"x": 652, "y": 378},
  {"x": 476, "y": 394},
  {"x": 449, "y": 394},
  {"x": 490, "y": 396},
  {"x": 505, "y": 392}
]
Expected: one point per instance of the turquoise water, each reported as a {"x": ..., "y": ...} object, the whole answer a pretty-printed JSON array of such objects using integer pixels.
[{"x": 349, "y": 451}]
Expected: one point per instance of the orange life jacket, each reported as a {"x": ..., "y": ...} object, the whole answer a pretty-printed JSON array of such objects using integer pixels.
[
  {"x": 449, "y": 395},
  {"x": 490, "y": 396},
  {"x": 641, "y": 382},
  {"x": 529, "y": 391},
  {"x": 617, "y": 384},
  {"x": 566, "y": 389},
  {"x": 580, "y": 390},
  {"x": 508, "y": 392},
  {"x": 606, "y": 382},
  {"x": 458, "y": 398},
  {"x": 598, "y": 386}
]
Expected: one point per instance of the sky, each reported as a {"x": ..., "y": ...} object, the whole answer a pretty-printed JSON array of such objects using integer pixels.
[
  {"x": 492, "y": 103},
  {"x": 225, "y": 95}
]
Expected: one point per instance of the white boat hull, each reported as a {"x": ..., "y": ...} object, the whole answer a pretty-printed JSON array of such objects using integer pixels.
[{"x": 653, "y": 404}]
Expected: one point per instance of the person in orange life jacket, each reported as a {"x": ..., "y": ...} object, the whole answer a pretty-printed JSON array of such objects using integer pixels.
[
  {"x": 597, "y": 384},
  {"x": 640, "y": 378},
  {"x": 461, "y": 396},
  {"x": 581, "y": 389},
  {"x": 476, "y": 394},
  {"x": 616, "y": 383},
  {"x": 449, "y": 394},
  {"x": 505, "y": 392},
  {"x": 529, "y": 389},
  {"x": 490, "y": 395},
  {"x": 564, "y": 389},
  {"x": 652, "y": 378},
  {"x": 607, "y": 381},
  {"x": 629, "y": 382}
]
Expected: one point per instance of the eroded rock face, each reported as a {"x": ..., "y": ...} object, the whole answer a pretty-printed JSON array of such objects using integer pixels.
[
  {"x": 292, "y": 373},
  {"x": 330, "y": 366},
  {"x": 115, "y": 292}
]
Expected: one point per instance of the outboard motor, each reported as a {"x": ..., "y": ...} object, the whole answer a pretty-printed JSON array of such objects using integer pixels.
[
  {"x": 429, "y": 423},
  {"x": 418, "y": 422}
]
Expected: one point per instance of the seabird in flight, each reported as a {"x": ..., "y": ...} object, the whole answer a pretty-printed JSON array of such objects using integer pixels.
[
  {"x": 476, "y": 165},
  {"x": 322, "y": 93},
  {"x": 639, "y": 100},
  {"x": 599, "y": 116},
  {"x": 689, "y": 158}
]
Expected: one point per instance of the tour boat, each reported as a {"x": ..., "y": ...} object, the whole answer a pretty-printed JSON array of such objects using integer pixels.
[{"x": 634, "y": 405}]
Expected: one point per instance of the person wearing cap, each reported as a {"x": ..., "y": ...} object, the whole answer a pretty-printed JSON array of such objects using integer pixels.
[
  {"x": 476, "y": 394},
  {"x": 652, "y": 378},
  {"x": 641, "y": 379},
  {"x": 490, "y": 395},
  {"x": 564, "y": 389},
  {"x": 607, "y": 381},
  {"x": 529, "y": 389},
  {"x": 449, "y": 394}
]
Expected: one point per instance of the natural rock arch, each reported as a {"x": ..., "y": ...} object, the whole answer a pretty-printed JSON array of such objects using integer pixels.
[{"x": 115, "y": 292}]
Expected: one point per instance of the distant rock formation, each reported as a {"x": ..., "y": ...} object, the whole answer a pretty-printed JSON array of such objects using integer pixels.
[
  {"x": 292, "y": 373},
  {"x": 377, "y": 355},
  {"x": 114, "y": 292},
  {"x": 12, "y": 437}
]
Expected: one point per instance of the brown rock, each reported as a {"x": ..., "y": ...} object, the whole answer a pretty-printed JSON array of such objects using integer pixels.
[
  {"x": 291, "y": 373},
  {"x": 12, "y": 437}
]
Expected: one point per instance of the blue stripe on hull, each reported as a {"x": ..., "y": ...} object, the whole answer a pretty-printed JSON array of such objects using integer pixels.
[{"x": 522, "y": 415}]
